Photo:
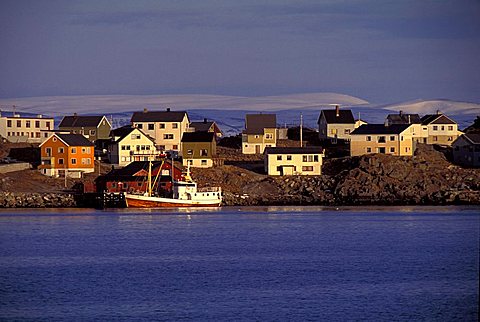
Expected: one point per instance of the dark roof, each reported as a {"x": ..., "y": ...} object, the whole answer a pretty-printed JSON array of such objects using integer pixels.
[
  {"x": 133, "y": 167},
  {"x": 473, "y": 137},
  {"x": 436, "y": 118},
  {"x": 121, "y": 131},
  {"x": 74, "y": 139},
  {"x": 202, "y": 126},
  {"x": 255, "y": 123},
  {"x": 198, "y": 137},
  {"x": 344, "y": 117},
  {"x": 159, "y": 116},
  {"x": 80, "y": 121},
  {"x": 294, "y": 150},
  {"x": 380, "y": 129},
  {"x": 403, "y": 118}
]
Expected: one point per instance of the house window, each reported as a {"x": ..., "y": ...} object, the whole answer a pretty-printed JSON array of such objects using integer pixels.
[
  {"x": 204, "y": 162},
  {"x": 60, "y": 161},
  {"x": 60, "y": 150},
  {"x": 203, "y": 152},
  {"x": 135, "y": 136},
  {"x": 92, "y": 132},
  {"x": 369, "y": 138},
  {"x": 27, "y": 123},
  {"x": 435, "y": 138},
  {"x": 37, "y": 124},
  {"x": 304, "y": 158},
  {"x": 279, "y": 157},
  {"x": 190, "y": 162},
  {"x": 189, "y": 152},
  {"x": 369, "y": 150},
  {"x": 19, "y": 123},
  {"x": 48, "y": 125},
  {"x": 435, "y": 128},
  {"x": 392, "y": 150},
  {"x": 381, "y": 139},
  {"x": 315, "y": 158},
  {"x": 347, "y": 131},
  {"x": 140, "y": 126},
  {"x": 269, "y": 136},
  {"x": 37, "y": 134},
  {"x": 86, "y": 161},
  {"x": 450, "y": 138},
  {"x": 151, "y": 126},
  {"x": 443, "y": 128},
  {"x": 161, "y": 125},
  {"x": 168, "y": 136},
  {"x": 450, "y": 127},
  {"x": 307, "y": 168},
  {"x": 289, "y": 158},
  {"x": 9, "y": 123},
  {"x": 174, "y": 125},
  {"x": 74, "y": 161},
  {"x": 86, "y": 149},
  {"x": 392, "y": 138},
  {"x": 257, "y": 136},
  {"x": 48, "y": 151},
  {"x": 74, "y": 150},
  {"x": 175, "y": 147}
]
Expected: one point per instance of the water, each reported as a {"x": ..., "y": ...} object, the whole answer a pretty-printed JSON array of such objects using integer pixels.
[{"x": 261, "y": 264}]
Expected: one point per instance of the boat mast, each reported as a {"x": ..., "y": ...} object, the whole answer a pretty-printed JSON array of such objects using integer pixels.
[{"x": 149, "y": 177}]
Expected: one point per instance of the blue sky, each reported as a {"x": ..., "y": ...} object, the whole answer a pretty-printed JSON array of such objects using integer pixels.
[{"x": 382, "y": 51}]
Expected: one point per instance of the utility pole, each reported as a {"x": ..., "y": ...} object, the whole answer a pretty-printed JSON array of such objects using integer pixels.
[{"x": 301, "y": 130}]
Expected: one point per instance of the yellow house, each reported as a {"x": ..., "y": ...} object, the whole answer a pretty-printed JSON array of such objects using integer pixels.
[
  {"x": 260, "y": 132},
  {"x": 280, "y": 161},
  {"x": 165, "y": 127},
  {"x": 441, "y": 129},
  {"x": 377, "y": 138},
  {"x": 130, "y": 144},
  {"x": 16, "y": 129}
]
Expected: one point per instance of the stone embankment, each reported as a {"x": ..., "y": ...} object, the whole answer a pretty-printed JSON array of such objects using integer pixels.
[{"x": 36, "y": 200}]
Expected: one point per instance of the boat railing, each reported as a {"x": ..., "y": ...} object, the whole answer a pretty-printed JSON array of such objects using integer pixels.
[{"x": 209, "y": 189}]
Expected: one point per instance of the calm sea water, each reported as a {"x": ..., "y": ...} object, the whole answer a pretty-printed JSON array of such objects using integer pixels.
[{"x": 264, "y": 264}]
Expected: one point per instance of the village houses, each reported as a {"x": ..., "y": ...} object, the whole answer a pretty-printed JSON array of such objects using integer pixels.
[
  {"x": 68, "y": 155},
  {"x": 199, "y": 149},
  {"x": 165, "y": 127},
  {"x": 207, "y": 126},
  {"x": 466, "y": 150},
  {"x": 418, "y": 130},
  {"x": 260, "y": 132},
  {"x": 441, "y": 129},
  {"x": 29, "y": 129},
  {"x": 92, "y": 127},
  {"x": 130, "y": 144},
  {"x": 281, "y": 161},
  {"x": 377, "y": 138}
]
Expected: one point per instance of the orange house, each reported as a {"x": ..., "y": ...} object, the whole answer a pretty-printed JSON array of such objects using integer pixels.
[{"x": 66, "y": 155}]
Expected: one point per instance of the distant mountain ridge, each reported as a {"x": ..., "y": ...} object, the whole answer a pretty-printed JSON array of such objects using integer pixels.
[{"x": 432, "y": 106}]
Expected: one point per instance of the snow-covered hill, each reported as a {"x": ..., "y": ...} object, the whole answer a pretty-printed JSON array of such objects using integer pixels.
[{"x": 432, "y": 106}]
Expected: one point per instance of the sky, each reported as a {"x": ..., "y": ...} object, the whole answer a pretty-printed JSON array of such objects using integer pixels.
[{"x": 383, "y": 51}]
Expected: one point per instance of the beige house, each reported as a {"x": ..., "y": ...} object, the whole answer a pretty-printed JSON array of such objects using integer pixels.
[
  {"x": 165, "y": 127},
  {"x": 280, "y": 161},
  {"x": 260, "y": 132},
  {"x": 94, "y": 128},
  {"x": 128, "y": 145},
  {"x": 441, "y": 129},
  {"x": 417, "y": 129},
  {"x": 335, "y": 124},
  {"x": 25, "y": 129},
  {"x": 199, "y": 149},
  {"x": 378, "y": 138},
  {"x": 466, "y": 150}
]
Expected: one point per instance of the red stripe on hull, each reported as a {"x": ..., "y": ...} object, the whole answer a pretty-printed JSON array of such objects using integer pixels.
[{"x": 136, "y": 203}]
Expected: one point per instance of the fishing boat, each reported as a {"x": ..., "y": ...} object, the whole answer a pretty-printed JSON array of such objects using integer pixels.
[{"x": 185, "y": 194}]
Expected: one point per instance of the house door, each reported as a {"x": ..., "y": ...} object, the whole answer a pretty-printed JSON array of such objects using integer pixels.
[
  {"x": 381, "y": 150},
  {"x": 257, "y": 149}
]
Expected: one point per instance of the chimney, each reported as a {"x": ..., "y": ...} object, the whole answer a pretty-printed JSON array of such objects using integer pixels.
[
  {"x": 438, "y": 112},
  {"x": 337, "y": 110},
  {"x": 205, "y": 120},
  {"x": 409, "y": 120},
  {"x": 168, "y": 109},
  {"x": 401, "y": 112},
  {"x": 145, "y": 110},
  {"x": 75, "y": 115}
]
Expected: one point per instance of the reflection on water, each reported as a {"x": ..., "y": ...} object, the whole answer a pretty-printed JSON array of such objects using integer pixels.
[{"x": 253, "y": 263}]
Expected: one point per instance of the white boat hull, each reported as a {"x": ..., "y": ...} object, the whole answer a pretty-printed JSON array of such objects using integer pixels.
[{"x": 139, "y": 201}]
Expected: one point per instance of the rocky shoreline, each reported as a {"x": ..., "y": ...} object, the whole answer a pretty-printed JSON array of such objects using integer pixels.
[{"x": 37, "y": 200}]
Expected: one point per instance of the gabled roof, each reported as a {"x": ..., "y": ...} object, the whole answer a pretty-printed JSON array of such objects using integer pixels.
[
  {"x": 71, "y": 139},
  {"x": 474, "y": 138},
  {"x": 437, "y": 119},
  {"x": 81, "y": 121},
  {"x": 294, "y": 150},
  {"x": 255, "y": 123},
  {"x": 159, "y": 116},
  {"x": 124, "y": 131},
  {"x": 139, "y": 168},
  {"x": 344, "y": 117},
  {"x": 202, "y": 126},
  {"x": 403, "y": 118},
  {"x": 198, "y": 137},
  {"x": 380, "y": 129}
]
